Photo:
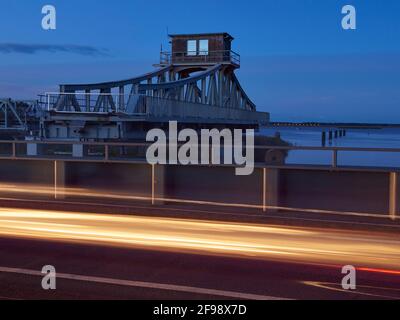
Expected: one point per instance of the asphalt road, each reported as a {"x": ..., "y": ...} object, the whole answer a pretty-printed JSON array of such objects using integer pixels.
[{"x": 101, "y": 256}]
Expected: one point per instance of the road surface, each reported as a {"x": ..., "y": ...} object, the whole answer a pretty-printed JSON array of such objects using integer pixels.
[{"x": 112, "y": 256}]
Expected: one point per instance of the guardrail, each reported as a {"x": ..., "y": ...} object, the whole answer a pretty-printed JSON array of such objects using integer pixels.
[
  {"x": 335, "y": 151},
  {"x": 86, "y": 103},
  {"x": 116, "y": 152},
  {"x": 206, "y": 57},
  {"x": 149, "y": 106}
]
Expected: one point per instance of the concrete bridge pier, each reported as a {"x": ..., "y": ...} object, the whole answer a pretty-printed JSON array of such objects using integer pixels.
[
  {"x": 77, "y": 151},
  {"x": 32, "y": 149}
]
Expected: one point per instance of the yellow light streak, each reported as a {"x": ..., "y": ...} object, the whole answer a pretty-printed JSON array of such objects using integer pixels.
[{"x": 362, "y": 249}]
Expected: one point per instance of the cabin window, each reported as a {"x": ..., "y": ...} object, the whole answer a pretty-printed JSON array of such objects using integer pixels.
[
  {"x": 203, "y": 47},
  {"x": 192, "y": 48}
]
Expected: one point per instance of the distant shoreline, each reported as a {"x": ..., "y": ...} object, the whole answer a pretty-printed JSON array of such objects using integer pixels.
[{"x": 333, "y": 124}]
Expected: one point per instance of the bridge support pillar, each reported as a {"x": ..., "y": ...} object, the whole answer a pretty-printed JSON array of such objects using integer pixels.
[
  {"x": 77, "y": 151},
  {"x": 31, "y": 148},
  {"x": 393, "y": 195},
  {"x": 59, "y": 179},
  {"x": 158, "y": 180},
  {"x": 270, "y": 189}
]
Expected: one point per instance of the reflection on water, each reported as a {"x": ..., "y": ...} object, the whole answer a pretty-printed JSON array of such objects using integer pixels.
[{"x": 359, "y": 138}]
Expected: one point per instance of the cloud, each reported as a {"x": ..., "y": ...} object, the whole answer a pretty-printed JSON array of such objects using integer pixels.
[{"x": 7, "y": 48}]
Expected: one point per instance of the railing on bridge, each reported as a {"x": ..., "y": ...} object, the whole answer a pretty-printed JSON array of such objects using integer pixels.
[
  {"x": 19, "y": 149},
  {"x": 87, "y": 103},
  {"x": 209, "y": 57},
  {"x": 134, "y": 153},
  {"x": 148, "y": 106},
  {"x": 13, "y": 114}
]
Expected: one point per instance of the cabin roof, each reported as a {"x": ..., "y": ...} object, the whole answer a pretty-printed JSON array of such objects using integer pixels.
[{"x": 196, "y": 35}]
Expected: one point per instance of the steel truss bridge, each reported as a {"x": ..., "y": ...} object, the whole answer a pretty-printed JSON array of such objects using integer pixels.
[
  {"x": 14, "y": 114},
  {"x": 196, "y": 92}
]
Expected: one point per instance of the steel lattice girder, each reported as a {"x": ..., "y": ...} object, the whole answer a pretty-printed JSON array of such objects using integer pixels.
[
  {"x": 9, "y": 117},
  {"x": 217, "y": 86}
]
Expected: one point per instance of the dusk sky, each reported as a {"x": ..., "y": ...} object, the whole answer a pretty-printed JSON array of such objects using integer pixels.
[{"x": 297, "y": 61}]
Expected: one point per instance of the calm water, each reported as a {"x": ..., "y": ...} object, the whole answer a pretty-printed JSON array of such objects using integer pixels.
[{"x": 366, "y": 138}]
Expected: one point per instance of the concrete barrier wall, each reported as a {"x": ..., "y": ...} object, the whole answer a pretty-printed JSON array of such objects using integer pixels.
[
  {"x": 126, "y": 179},
  {"x": 365, "y": 192},
  {"x": 217, "y": 184},
  {"x": 29, "y": 172},
  {"x": 341, "y": 191}
]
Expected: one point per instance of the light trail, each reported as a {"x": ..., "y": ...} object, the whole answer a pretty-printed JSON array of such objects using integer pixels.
[
  {"x": 363, "y": 249},
  {"x": 61, "y": 192}
]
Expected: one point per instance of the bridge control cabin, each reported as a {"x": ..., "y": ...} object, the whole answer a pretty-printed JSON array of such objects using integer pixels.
[
  {"x": 195, "y": 85},
  {"x": 201, "y": 49}
]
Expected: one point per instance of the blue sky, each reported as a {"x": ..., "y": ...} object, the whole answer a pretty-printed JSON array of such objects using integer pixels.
[{"x": 297, "y": 61}]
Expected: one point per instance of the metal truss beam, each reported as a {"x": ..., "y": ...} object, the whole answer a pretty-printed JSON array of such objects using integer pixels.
[
  {"x": 12, "y": 113},
  {"x": 216, "y": 86}
]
